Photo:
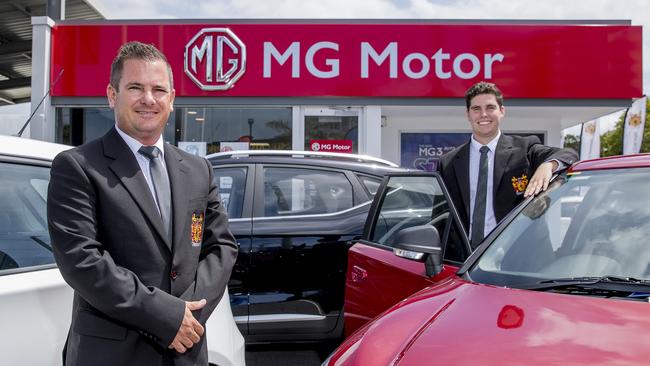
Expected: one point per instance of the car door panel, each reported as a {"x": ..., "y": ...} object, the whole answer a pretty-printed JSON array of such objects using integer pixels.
[
  {"x": 238, "y": 286},
  {"x": 371, "y": 271},
  {"x": 37, "y": 305},
  {"x": 305, "y": 219},
  {"x": 36, "y": 301},
  {"x": 299, "y": 276},
  {"x": 376, "y": 278}
]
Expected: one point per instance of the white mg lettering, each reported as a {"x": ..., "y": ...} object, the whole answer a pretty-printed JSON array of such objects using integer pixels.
[
  {"x": 424, "y": 68},
  {"x": 199, "y": 53},
  {"x": 332, "y": 63},
  {"x": 489, "y": 60},
  {"x": 476, "y": 66},
  {"x": 439, "y": 57},
  {"x": 389, "y": 52},
  {"x": 293, "y": 52},
  {"x": 418, "y": 65}
]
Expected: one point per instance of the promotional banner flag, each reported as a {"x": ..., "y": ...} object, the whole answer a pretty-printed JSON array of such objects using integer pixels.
[
  {"x": 590, "y": 140},
  {"x": 633, "y": 127}
]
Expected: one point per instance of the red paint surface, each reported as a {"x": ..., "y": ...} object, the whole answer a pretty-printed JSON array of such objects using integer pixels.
[{"x": 461, "y": 323}]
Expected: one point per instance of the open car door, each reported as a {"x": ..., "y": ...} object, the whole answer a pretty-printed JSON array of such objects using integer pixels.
[{"x": 413, "y": 238}]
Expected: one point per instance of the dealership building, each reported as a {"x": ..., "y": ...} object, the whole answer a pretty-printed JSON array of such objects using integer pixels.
[{"x": 388, "y": 88}]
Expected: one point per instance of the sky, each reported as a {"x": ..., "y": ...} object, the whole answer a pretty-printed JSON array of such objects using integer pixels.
[{"x": 637, "y": 11}]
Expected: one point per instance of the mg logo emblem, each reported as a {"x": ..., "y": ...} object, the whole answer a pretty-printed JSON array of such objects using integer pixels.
[{"x": 215, "y": 59}]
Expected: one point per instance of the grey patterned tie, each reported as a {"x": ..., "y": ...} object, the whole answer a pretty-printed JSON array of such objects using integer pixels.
[
  {"x": 478, "y": 217},
  {"x": 160, "y": 183}
]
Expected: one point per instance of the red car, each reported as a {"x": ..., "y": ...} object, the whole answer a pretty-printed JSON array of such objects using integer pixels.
[{"x": 563, "y": 280}]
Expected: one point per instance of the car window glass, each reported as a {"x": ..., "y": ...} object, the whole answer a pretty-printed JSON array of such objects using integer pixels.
[
  {"x": 296, "y": 191},
  {"x": 24, "y": 240},
  {"x": 584, "y": 225},
  {"x": 231, "y": 182},
  {"x": 40, "y": 186},
  {"x": 412, "y": 201},
  {"x": 372, "y": 184},
  {"x": 455, "y": 249}
]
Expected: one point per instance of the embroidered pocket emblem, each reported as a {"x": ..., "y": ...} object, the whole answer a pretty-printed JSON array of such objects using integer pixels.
[
  {"x": 520, "y": 183},
  {"x": 197, "y": 229}
]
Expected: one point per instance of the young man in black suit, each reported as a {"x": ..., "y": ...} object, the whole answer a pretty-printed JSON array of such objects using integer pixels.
[
  {"x": 138, "y": 230},
  {"x": 492, "y": 173}
]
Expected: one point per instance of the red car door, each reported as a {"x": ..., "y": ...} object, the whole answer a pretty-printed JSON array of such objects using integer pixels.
[{"x": 376, "y": 278}]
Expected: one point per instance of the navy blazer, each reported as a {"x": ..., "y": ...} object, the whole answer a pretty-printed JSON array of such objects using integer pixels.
[
  {"x": 130, "y": 279},
  {"x": 515, "y": 158}
]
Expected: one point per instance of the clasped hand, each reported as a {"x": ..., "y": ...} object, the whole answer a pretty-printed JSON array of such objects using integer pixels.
[{"x": 190, "y": 331}]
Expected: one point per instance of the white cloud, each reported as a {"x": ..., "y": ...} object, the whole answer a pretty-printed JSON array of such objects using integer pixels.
[{"x": 638, "y": 11}]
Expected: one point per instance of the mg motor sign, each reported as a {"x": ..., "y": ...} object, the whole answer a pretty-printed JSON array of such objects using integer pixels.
[
  {"x": 340, "y": 146},
  {"x": 393, "y": 60},
  {"x": 215, "y": 59}
]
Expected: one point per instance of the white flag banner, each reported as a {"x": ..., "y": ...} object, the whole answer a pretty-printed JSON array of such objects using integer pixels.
[
  {"x": 633, "y": 128},
  {"x": 590, "y": 140}
]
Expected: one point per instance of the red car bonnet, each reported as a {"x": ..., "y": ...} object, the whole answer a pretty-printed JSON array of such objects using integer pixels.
[{"x": 463, "y": 323}]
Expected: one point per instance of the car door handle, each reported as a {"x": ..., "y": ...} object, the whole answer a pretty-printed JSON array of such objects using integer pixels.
[{"x": 358, "y": 274}]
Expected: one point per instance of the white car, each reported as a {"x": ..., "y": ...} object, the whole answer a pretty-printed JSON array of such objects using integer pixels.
[{"x": 35, "y": 301}]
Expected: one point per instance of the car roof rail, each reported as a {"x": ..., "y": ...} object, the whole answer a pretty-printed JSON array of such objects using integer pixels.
[{"x": 294, "y": 153}]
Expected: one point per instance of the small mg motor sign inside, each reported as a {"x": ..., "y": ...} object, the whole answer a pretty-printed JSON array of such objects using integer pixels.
[
  {"x": 340, "y": 146},
  {"x": 215, "y": 59}
]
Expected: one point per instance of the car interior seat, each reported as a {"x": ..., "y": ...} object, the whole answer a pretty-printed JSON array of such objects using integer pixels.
[{"x": 270, "y": 201}]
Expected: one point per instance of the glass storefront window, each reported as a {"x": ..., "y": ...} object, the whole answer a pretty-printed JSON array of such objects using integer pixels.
[
  {"x": 224, "y": 129},
  {"x": 331, "y": 128},
  {"x": 75, "y": 126},
  {"x": 200, "y": 130}
]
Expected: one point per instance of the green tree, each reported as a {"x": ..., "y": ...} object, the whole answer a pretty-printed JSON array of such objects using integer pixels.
[
  {"x": 572, "y": 141},
  {"x": 611, "y": 142}
]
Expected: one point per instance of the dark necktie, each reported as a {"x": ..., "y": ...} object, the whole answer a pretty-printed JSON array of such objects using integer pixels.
[
  {"x": 160, "y": 183},
  {"x": 478, "y": 217}
]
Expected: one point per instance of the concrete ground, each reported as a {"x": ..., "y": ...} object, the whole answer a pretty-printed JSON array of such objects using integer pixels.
[{"x": 287, "y": 354}]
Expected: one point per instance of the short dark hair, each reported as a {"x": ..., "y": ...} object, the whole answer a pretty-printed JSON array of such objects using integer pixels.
[
  {"x": 483, "y": 87},
  {"x": 137, "y": 51}
]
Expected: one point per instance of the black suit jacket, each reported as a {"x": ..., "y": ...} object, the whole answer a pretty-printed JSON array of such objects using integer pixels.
[
  {"x": 515, "y": 157},
  {"x": 130, "y": 280}
]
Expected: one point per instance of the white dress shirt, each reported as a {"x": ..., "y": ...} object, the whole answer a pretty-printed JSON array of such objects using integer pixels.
[
  {"x": 474, "y": 160},
  {"x": 144, "y": 161}
]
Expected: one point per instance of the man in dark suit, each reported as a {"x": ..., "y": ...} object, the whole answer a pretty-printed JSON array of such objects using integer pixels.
[
  {"x": 491, "y": 174},
  {"x": 138, "y": 230}
]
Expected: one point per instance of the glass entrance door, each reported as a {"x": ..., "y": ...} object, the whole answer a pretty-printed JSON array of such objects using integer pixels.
[{"x": 332, "y": 129}]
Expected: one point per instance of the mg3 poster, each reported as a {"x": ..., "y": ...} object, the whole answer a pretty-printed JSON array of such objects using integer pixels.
[{"x": 423, "y": 150}]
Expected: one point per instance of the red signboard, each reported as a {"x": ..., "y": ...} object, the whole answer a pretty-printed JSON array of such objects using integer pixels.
[
  {"x": 339, "y": 146},
  {"x": 362, "y": 60}
]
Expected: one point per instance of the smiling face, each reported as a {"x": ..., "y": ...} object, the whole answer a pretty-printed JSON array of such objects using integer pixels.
[
  {"x": 485, "y": 116},
  {"x": 144, "y": 99}
]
